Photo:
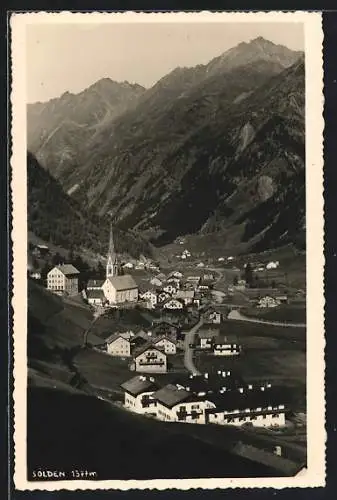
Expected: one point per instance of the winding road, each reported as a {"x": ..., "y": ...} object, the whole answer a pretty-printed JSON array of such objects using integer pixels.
[
  {"x": 188, "y": 356},
  {"x": 237, "y": 315}
]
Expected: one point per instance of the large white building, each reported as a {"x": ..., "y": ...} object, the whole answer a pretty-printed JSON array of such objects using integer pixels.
[
  {"x": 118, "y": 288},
  {"x": 138, "y": 394},
  {"x": 63, "y": 279}
]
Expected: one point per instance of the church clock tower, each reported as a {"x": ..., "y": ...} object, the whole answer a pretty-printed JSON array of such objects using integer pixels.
[{"x": 112, "y": 263}]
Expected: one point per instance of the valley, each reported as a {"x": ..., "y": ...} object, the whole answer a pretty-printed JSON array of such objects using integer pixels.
[{"x": 166, "y": 328}]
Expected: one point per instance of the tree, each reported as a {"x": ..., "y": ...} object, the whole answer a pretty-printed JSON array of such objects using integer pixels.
[
  {"x": 249, "y": 274},
  {"x": 235, "y": 280}
]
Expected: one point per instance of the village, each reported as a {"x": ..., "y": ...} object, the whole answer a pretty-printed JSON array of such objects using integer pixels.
[{"x": 172, "y": 331}]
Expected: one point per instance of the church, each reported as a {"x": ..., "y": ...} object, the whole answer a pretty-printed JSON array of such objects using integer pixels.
[{"x": 117, "y": 287}]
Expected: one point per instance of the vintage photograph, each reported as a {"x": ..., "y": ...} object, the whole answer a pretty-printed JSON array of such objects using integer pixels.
[{"x": 164, "y": 248}]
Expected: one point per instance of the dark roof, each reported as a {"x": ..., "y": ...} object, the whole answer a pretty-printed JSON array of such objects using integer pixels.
[
  {"x": 170, "y": 395},
  {"x": 114, "y": 337},
  {"x": 159, "y": 323},
  {"x": 68, "y": 269},
  {"x": 212, "y": 384},
  {"x": 225, "y": 339},
  {"x": 124, "y": 282},
  {"x": 209, "y": 333},
  {"x": 250, "y": 398},
  {"x": 162, "y": 337},
  {"x": 139, "y": 384},
  {"x": 185, "y": 294},
  {"x": 95, "y": 294},
  {"x": 95, "y": 283},
  {"x": 138, "y": 341}
]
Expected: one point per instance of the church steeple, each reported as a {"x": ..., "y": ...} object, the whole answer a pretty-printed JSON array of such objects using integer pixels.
[{"x": 112, "y": 263}]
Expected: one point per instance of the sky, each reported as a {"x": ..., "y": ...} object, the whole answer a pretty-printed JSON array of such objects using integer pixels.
[{"x": 71, "y": 57}]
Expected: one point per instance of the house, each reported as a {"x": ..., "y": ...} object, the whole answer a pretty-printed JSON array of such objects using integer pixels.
[
  {"x": 36, "y": 275},
  {"x": 95, "y": 284},
  {"x": 205, "y": 338},
  {"x": 174, "y": 281},
  {"x": 225, "y": 346},
  {"x": 212, "y": 316},
  {"x": 118, "y": 345},
  {"x": 282, "y": 299},
  {"x": 95, "y": 297},
  {"x": 41, "y": 250},
  {"x": 175, "y": 404},
  {"x": 138, "y": 393},
  {"x": 173, "y": 304},
  {"x": 241, "y": 285},
  {"x": 200, "y": 264},
  {"x": 164, "y": 328},
  {"x": 63, "y": 279},
  {"x": 175, "y": 274},
  {"x": 163, "y": 296},
  {"x": 171, "y": 289},
  {"x": 208, "y": 277},
  {"x": 221, "y": 259},
  {"x": 193, "y": 279},
  {"x": 254, "y": 405},
  {"x": 165, "y": 344},
  {"x": 186, "y": 296},
  {"x": 150, "y": 359},
  {"x": 150, "y": 296},
  {"x": 268, "y": 301},
  {"x": 273, "y": 265},
  {"x": 156, "y": 281},
  {"x": 128, "y": 265}
]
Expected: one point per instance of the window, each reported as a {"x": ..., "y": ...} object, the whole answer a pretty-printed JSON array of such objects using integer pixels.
[{"x": 195, "y": 407}]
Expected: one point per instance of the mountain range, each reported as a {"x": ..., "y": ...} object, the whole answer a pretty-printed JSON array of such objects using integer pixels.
[{"x": 217, "y": 148}]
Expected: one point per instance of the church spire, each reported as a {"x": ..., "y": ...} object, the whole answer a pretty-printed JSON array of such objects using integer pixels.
[{"x": 112, "y": 264}]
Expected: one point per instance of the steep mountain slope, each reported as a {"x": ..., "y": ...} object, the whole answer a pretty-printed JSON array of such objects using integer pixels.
[
  {"x": 59, "y": 129},
  {"x": 218, "y": 147},
  {"x": 229, "y": 160},
  {"x": 57, "y": 218}
]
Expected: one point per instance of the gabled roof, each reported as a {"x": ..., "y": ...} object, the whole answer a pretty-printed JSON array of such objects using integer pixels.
[
  {"x": 172, "y": 299},
  {"x": 163, "y": 337},
  {"x": 146, "y": 347},
  {"x": 95, "y": 283},
  {"x": 212, "y": 384},
  {"x": 209, "y": 333},
  {"x": 139, "y": 384},
  {"x": 67, "y": 269},
  {"x": 250, "y": 398},
  {"x": 170, "y": 395},
  {"x": 116, "y": 336},
  {"x": 95, "y": 294},
  {"x": 147, "y": 288},
  {"x": 185, "y": 294},
  {"x": 124, "y": 282},
  {"x": 225, "y": 339},
  {"x": 138, "y": 341}
]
